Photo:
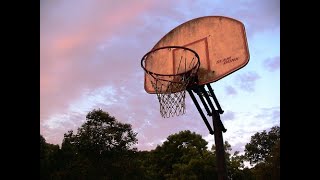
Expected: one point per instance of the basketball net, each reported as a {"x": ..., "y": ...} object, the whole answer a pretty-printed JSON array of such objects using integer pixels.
[{"x": 171, "y": 89}]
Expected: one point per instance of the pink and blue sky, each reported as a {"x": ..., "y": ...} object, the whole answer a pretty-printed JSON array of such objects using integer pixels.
[{"x": 90, "y": 58}]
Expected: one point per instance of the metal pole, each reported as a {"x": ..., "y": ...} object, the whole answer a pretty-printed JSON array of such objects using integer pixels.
[
  {"x": 220, "y": 153},
  {"x": 218, "y": 127}
]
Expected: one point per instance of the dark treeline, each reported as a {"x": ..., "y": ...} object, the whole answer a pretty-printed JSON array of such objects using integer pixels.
[{"x": 102, "y": 148}]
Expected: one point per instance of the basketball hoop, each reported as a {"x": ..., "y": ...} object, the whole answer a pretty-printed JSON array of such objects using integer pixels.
[
  {"x": 218, "y": 47},
  {"x": 170, "y": 88}
]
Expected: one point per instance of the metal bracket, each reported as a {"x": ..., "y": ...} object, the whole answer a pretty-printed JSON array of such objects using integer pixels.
[{"x": 200, "y": 91}]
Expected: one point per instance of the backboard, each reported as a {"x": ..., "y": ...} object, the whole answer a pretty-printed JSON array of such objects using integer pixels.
[{"x": 219, "y": 41}]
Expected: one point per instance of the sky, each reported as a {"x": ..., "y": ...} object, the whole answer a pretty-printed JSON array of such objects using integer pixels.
[{"x": 90, "y": 55}]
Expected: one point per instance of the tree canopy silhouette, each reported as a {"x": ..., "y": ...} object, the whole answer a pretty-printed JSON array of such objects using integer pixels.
[
  {"x": 261, "y": 145},
  {"x": 102, "y": 133},
  {"x": 183, "y": 155},
  {"x": 264, "y": 151},
  {"x": 101, "y": 148}
]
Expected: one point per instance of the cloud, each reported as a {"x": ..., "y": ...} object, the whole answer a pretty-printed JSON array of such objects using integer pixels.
[
  {"x": 272, "y": 114},
  {"x": 230, "y": 90},
  {"x": 71, "y": 61},
  {"x": 256, "y": 15},
  {"x": 246, "y": 81},
  {"x": 243, "y": 125},
  {"x": 229, "y": 115},
  {"x": 272, "y": 64}
]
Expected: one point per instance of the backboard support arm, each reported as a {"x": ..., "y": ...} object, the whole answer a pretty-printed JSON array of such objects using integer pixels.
[
  {"x": 200, "y": 111},
  {"x": 214, "y": 98}
]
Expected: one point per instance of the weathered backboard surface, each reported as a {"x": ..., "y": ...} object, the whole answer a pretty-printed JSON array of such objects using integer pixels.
[{"x": 219, "y": 41}]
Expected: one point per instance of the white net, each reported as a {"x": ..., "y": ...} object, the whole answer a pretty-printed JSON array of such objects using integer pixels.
[
  {"x": 171, "y": 87},
  {"x": 171, "y": 95}
]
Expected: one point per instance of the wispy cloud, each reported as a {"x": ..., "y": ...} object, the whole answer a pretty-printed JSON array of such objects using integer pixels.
[
  {"x": 272, "y": 114},
  {"x": 229, "y": 115},
  {"x": 246, "y": 81},
  {"x": 272, "y": 64},
  {"x": 230, "y": 90},
  {"x": 243, "y": 125}
]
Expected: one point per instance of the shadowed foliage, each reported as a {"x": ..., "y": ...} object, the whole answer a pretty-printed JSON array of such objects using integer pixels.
[
  {"x": 103, "y": 148},
  {"x": 264, "y": 151}
]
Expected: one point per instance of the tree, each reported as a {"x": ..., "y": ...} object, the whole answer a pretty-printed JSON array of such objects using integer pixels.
[
  {"x": 43, "y": 145},
  {"x": 148, "y": 167},
  {"x": 183, "y": 155},
  {"x": 49, "y": 158},
  {"x": 101, "y": 148},
  {"x": 261, "y": 145},
  {"x": 234, "y": 163},
  {"x": 44, "y": 174},
  {"x": 264, "y": 151},
  {"x": 103, "y": 133}
]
